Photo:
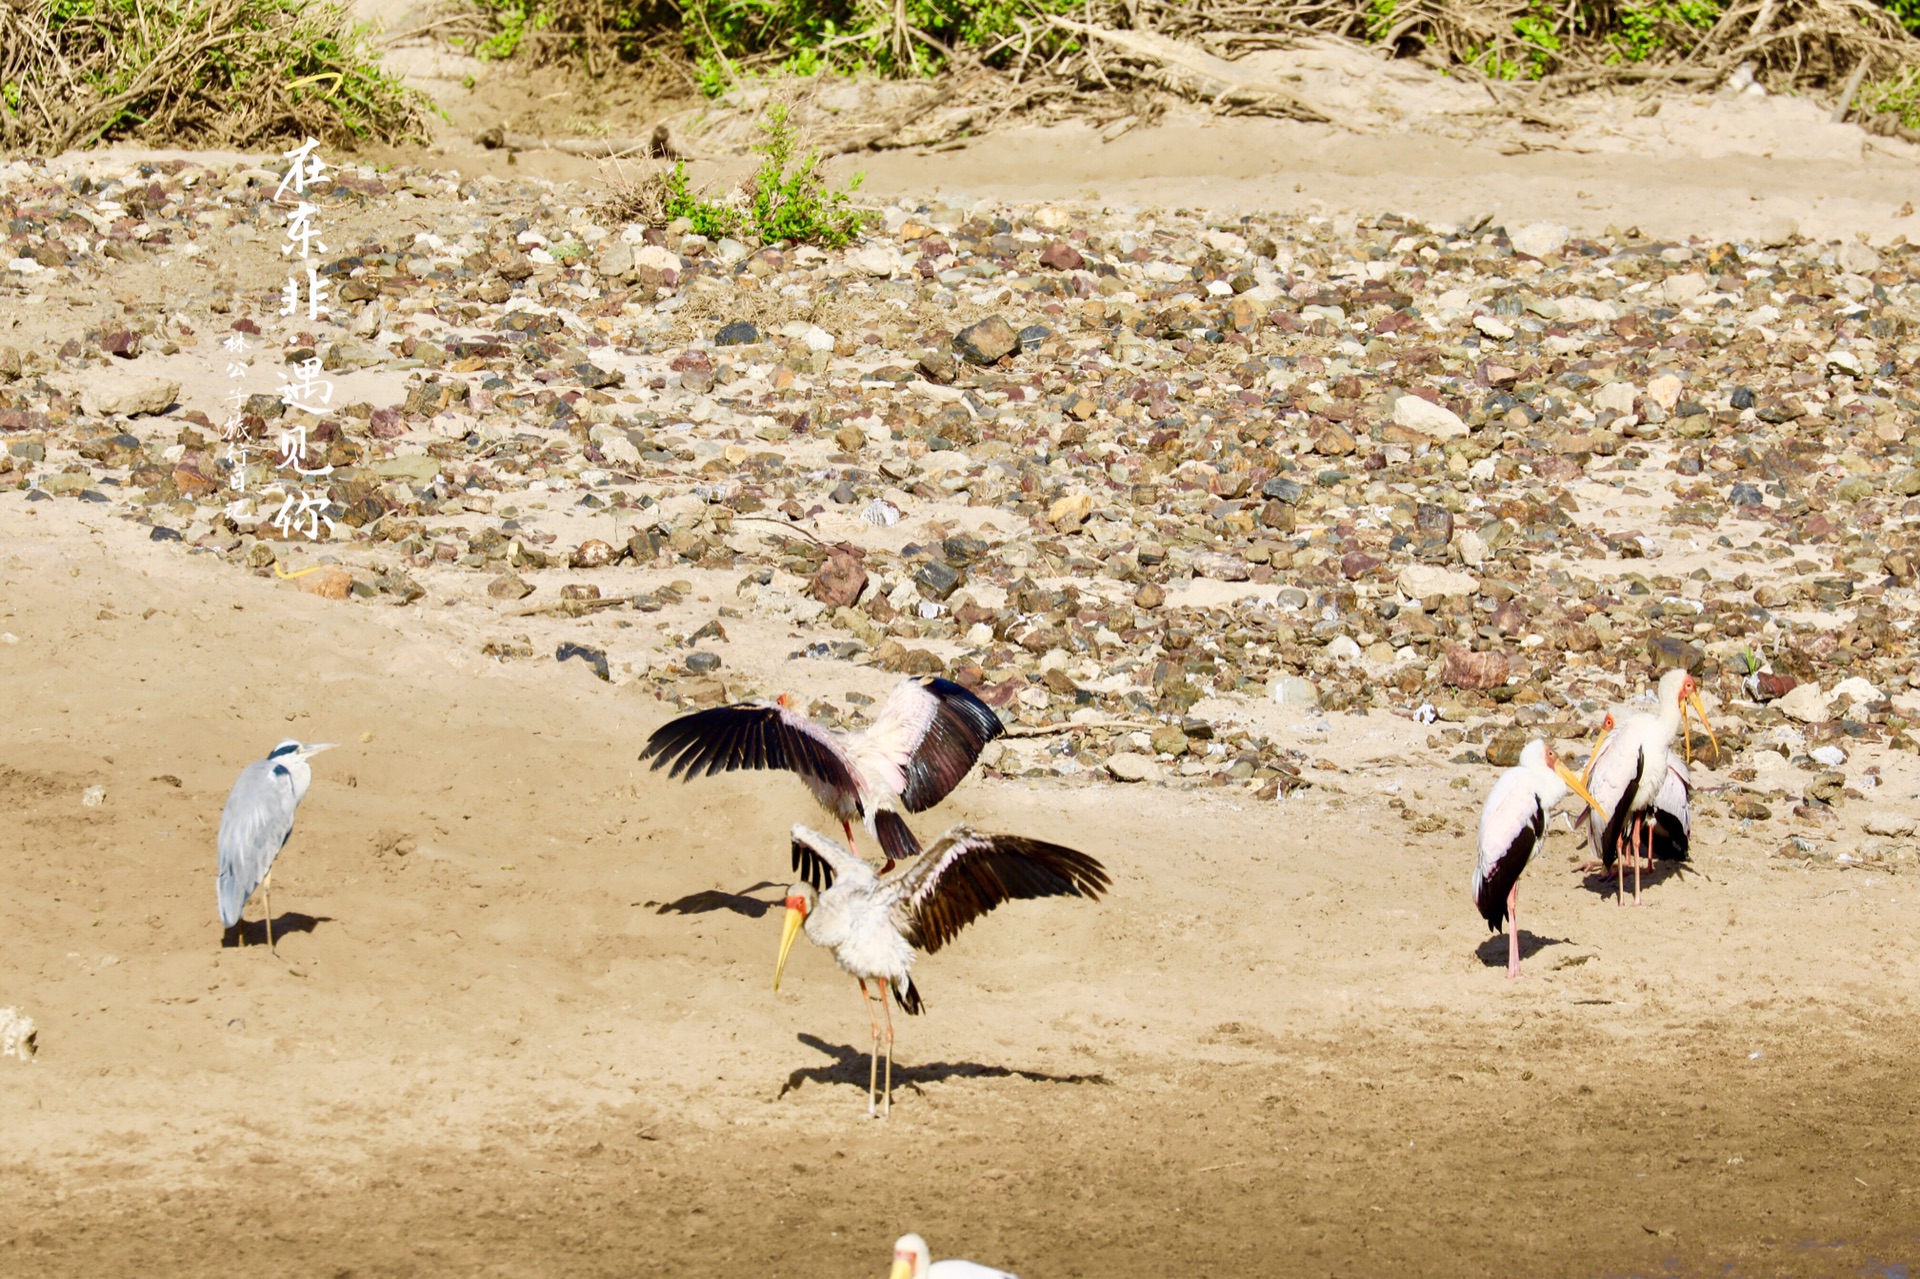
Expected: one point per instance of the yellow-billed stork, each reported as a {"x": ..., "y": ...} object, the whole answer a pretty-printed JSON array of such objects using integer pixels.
[
  {"x": 874, "y": 923},
  {"x": 912, "y": 1259},
  {"x": 1672, "y": 810},
  {"x": 924, "y": 738},
  {"x": 1645, "y": 786},
  {"x": 1512, "y": 824}
]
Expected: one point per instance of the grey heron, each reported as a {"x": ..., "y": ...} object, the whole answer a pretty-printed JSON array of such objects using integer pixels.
[
  {"x": 874, "y": 923},
  {"x": 922, "y": 741},
  {"x": 1512, "y": 824},
  {"x": 256, "y": 823},
  {"x": 912, "y": 1259},
  {"x": 1634, "y": 771}
]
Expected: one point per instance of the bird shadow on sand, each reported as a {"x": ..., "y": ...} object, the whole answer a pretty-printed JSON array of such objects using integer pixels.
[
  {"x": 708, "y": 900},
  {"x": 849, "y": 1066},
  {"x": 253, "y": 932},
  {"x": 1601, "y": 883},
  {"x": 1493, "y": 951}
]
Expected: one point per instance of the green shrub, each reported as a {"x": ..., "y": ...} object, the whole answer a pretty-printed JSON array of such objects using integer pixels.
[
  {"x": 786, "y": 198},
  {"x": 193, "y": 72}
]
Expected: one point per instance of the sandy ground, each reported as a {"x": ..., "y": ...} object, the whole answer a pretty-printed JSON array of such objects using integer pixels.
[
  {"x": 522, "y": 1023},
  {"x": 1714, "y": 165}
]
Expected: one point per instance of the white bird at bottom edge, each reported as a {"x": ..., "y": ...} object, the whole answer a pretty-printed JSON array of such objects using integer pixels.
[{"x": 912, "y": 1260}]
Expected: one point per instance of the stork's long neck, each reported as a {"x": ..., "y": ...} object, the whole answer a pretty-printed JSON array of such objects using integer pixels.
[
  {"x": 1548, "y": 787},
  {"x": 1668, "y": 715}
]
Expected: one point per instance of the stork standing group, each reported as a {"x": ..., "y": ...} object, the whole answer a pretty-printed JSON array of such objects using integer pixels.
[{"x": 1637, "y": 791}]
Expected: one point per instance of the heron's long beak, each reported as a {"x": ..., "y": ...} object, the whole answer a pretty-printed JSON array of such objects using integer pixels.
[
  {"x": 1693, "y": 700},
  {"x": 902, "y": 1267},
  {"x": 308, "y": 752},
  {"x": 1594, "y": 758},
  {"x": 788, "y": 931},
  {"x": 1579, "y": 787}
]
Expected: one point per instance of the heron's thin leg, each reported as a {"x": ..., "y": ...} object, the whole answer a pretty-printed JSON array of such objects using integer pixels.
[
  {"x": 873, "y": 1055},
  {"x": 886, "y": 1107},
  {"x": 266, "y": 896}
]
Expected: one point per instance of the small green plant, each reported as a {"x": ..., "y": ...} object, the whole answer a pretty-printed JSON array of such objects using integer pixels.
[
  {"x": 1539, "y": 31},
  {"x": 797, "y": 205},
  {"x": 708, "y": 217},
  {"x": 1652, "y": 29},
  {"x": 1898, "y": 96},
  {"x": 1492, "y": 65},
  {"x": 1380, "y": 18},
  {"x": 1906, "y": 12},
  {"x": 513, "y": 20},
  {"x": 786, "y": 198}
]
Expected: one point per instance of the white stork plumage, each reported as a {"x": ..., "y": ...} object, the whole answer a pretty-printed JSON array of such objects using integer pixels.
[
  {"x": 924, "y": 738},
  {"x": 1512, "y": 824},
  {"x": 874, "y": 923},
  {"x": 1672, "y": 807},
  {"x": 1638, "y": 779},
  {"x": 912, "y": 1259}
]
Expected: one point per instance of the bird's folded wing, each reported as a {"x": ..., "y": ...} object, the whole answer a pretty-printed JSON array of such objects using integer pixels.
[
  {"x": 748, "y": 735},
  {"x": 256, "y": 823},
  {"x": 966, "y": 874},
  {"x": 1611, "y": 773}
]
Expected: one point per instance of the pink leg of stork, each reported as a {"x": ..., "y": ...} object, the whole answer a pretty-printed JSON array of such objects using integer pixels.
[
  {"x": 1513, "y": 933},
  {"x": 1646, "y": 850},
  {"x": 1620, "y": 864},
  {"x": 873, "y": 1055}
]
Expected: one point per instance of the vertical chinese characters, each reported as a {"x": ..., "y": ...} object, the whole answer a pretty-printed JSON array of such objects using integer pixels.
[
  {"x": 306, "y": 391},
  {"x": 233, "y": 430}
]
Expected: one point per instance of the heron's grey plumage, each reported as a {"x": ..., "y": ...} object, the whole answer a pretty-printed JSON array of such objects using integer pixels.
[{"x": 257, "y": 821}]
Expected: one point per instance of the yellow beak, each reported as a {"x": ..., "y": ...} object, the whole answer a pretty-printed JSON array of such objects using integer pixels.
[
  {"x": 788, "y": 931},
  {"x": 1595, "y": 757},
  {"x": 1579, "y": 788},
  {"x": 902, "y": 1269},
  {"x": 1693, "y": 700}
]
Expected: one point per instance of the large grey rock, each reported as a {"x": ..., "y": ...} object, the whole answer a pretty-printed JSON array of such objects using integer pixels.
[
  {"x": 419, "y": 467},
  {"x": 615, "y": 259},
  {"x": 1427, "y": 418},
  {"x": 1130, "y": 766},
  {"x": 18, "y": 1038},
  {"x": 1539, "y": 239},
  {"x": 1424, "y": 581},
  {"x": 1678, "y": 290},
  {"x": 134, "y": 397},
  {"x": 1291, "y": 690},
  {"x": 1857, "y": 257},
  {"x": 1806, "y": 703}
]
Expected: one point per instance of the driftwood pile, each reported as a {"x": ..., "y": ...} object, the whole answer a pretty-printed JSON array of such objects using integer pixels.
[{"x": 1124, "y": 62}]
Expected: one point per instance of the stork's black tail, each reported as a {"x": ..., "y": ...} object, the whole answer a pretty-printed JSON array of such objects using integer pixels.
[
  {"x": 896, "y": 840},
  {"x": 908, "y": 997},
  {"x": 1669, "y": 837}
]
